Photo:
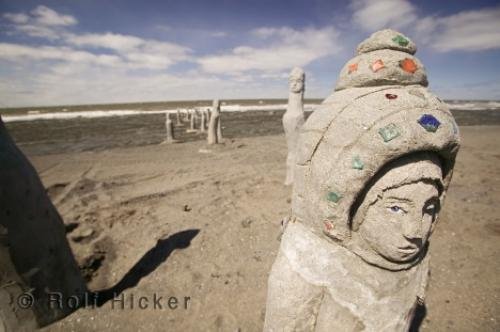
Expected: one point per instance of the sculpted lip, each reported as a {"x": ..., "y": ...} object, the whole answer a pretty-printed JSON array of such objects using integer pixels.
[{"x": 408, "y": 248}]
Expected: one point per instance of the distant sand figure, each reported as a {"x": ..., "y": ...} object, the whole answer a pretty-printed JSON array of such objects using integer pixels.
[
  {"x": 35, "y": 257},
  {"x": 192, "y": 119},
  {"x": 203, "y": 124},
  {"x": 169, "y": 125},
  {"x": 219, "y": 129},
  {"x": 213, "y": 127},
  {"x": 293, "y": 118},
  {"x": 178, "y": 118}
]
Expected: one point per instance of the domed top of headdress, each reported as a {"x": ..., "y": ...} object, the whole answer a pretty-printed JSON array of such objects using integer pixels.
[
  {"x": 385, "y": 58},
  {"x": 387, "y": 39}
]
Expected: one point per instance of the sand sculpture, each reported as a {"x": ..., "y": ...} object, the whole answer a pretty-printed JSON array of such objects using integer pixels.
[
  {"x": 35, "y": 258},
  {"x": 207, "y": 111},
  {"x": 178, "y": 118},
  {"x": 373, "y": 164},
  {"x": 203, "y": 121},
  {"x": 293, "y": 118},
  {"x": 220, "y": 139},
  {"x": 169, "y": 125},
  {"x": 192, "y": 119},
  {"x": 214, "y": 136}
]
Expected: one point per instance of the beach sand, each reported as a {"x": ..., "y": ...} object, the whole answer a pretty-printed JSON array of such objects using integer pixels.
[{"x": 192, "y": 221}]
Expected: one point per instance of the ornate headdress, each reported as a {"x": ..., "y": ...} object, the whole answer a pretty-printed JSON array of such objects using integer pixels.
[{"x": 380, "y": 111}]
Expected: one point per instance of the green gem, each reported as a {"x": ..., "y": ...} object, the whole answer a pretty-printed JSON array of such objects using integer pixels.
[
  {"x": 357, "y": 163},
  {"x": 389, "y": 132},
  {"x": 333, "y": 197},
  {"x": 400, "y": 40}
]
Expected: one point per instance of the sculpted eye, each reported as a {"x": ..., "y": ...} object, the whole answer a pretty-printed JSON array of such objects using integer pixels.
[
  {"x": 397, "y": 209},
  {"x": 430, "y": 209}
]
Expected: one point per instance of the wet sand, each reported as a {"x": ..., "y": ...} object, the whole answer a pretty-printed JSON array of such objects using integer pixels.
[{"x": 192, "y": 221}]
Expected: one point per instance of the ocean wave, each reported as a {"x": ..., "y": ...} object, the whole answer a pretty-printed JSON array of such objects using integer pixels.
[
  {"x": 473, "y": 105},
  {"x": 36, "y": 115}
]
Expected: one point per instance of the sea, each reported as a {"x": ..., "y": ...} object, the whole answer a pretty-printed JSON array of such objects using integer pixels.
[
  {"x": 113, "y": 110},
  {"x": 68, "y": 129}
]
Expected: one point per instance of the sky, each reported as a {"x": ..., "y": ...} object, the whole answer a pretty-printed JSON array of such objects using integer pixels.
[{"x": 95, "y": 51}]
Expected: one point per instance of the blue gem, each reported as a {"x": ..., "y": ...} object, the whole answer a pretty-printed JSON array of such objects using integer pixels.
[{"x": 429, "y": 122}]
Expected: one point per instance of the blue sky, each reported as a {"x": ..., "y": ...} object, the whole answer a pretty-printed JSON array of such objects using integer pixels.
[{"x": 94, "y": 51}]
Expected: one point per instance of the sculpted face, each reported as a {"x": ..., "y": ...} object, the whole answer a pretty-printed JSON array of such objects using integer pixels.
[
  {"x": 398, "y": 224},
  {"x": 296, "y": 80},
  {"x": 397, "y": 212},
  {"x": 296, "y": 84}
]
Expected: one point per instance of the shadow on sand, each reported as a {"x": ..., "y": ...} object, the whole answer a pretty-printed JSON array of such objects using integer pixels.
[
  {"x": 418, "y": 319},
  {"x": 147, "y": 264},
  {"x": 159, "y": 254}
]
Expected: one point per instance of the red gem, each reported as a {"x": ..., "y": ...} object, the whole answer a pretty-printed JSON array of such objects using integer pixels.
[
  {"x": 390, "y": 96},
  {"x": 328, "y": 225},
  {"x": 408, "y": 65}
]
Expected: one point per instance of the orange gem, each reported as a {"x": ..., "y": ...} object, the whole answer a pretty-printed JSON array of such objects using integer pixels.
[
  {"x": 377, "y": 65},
  {"x": 408, "y": 65},
  {"x": 353, "y": 67}
]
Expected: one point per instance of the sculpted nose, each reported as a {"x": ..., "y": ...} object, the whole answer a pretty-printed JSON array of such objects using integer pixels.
[{"x": 412, "y": 231}]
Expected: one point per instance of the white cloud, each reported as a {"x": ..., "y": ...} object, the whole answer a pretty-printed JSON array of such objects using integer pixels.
[
  {"x": 424, "y": 28},
  {"x": 148, "y": 61},
  {"x": 377, "y": 14},
  {"x": 218, "y": 34},
  {"x": 77, "y": 71},
  {"x": 129, "y": 51},
  {"x": 42, "y": 22},
  {"x": 46, "y": 16},
  {"x": 288, "y": 48},
  {"x": 163, "y": 27},
  {"x": 18, "y": 18},
  {"x": 112, "y": 41},
  {"x": 266, "y": 32},
  {"x": 473, "y": 30},
  {"x": 84, "y": 83},
  {"x": 129, "y": 60},
  {"x": 20, "y": 53},
  {"x": 141, "y": 53},
  {"x": 124, "y": 43},
  {"x": 38, "y": 31}
]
